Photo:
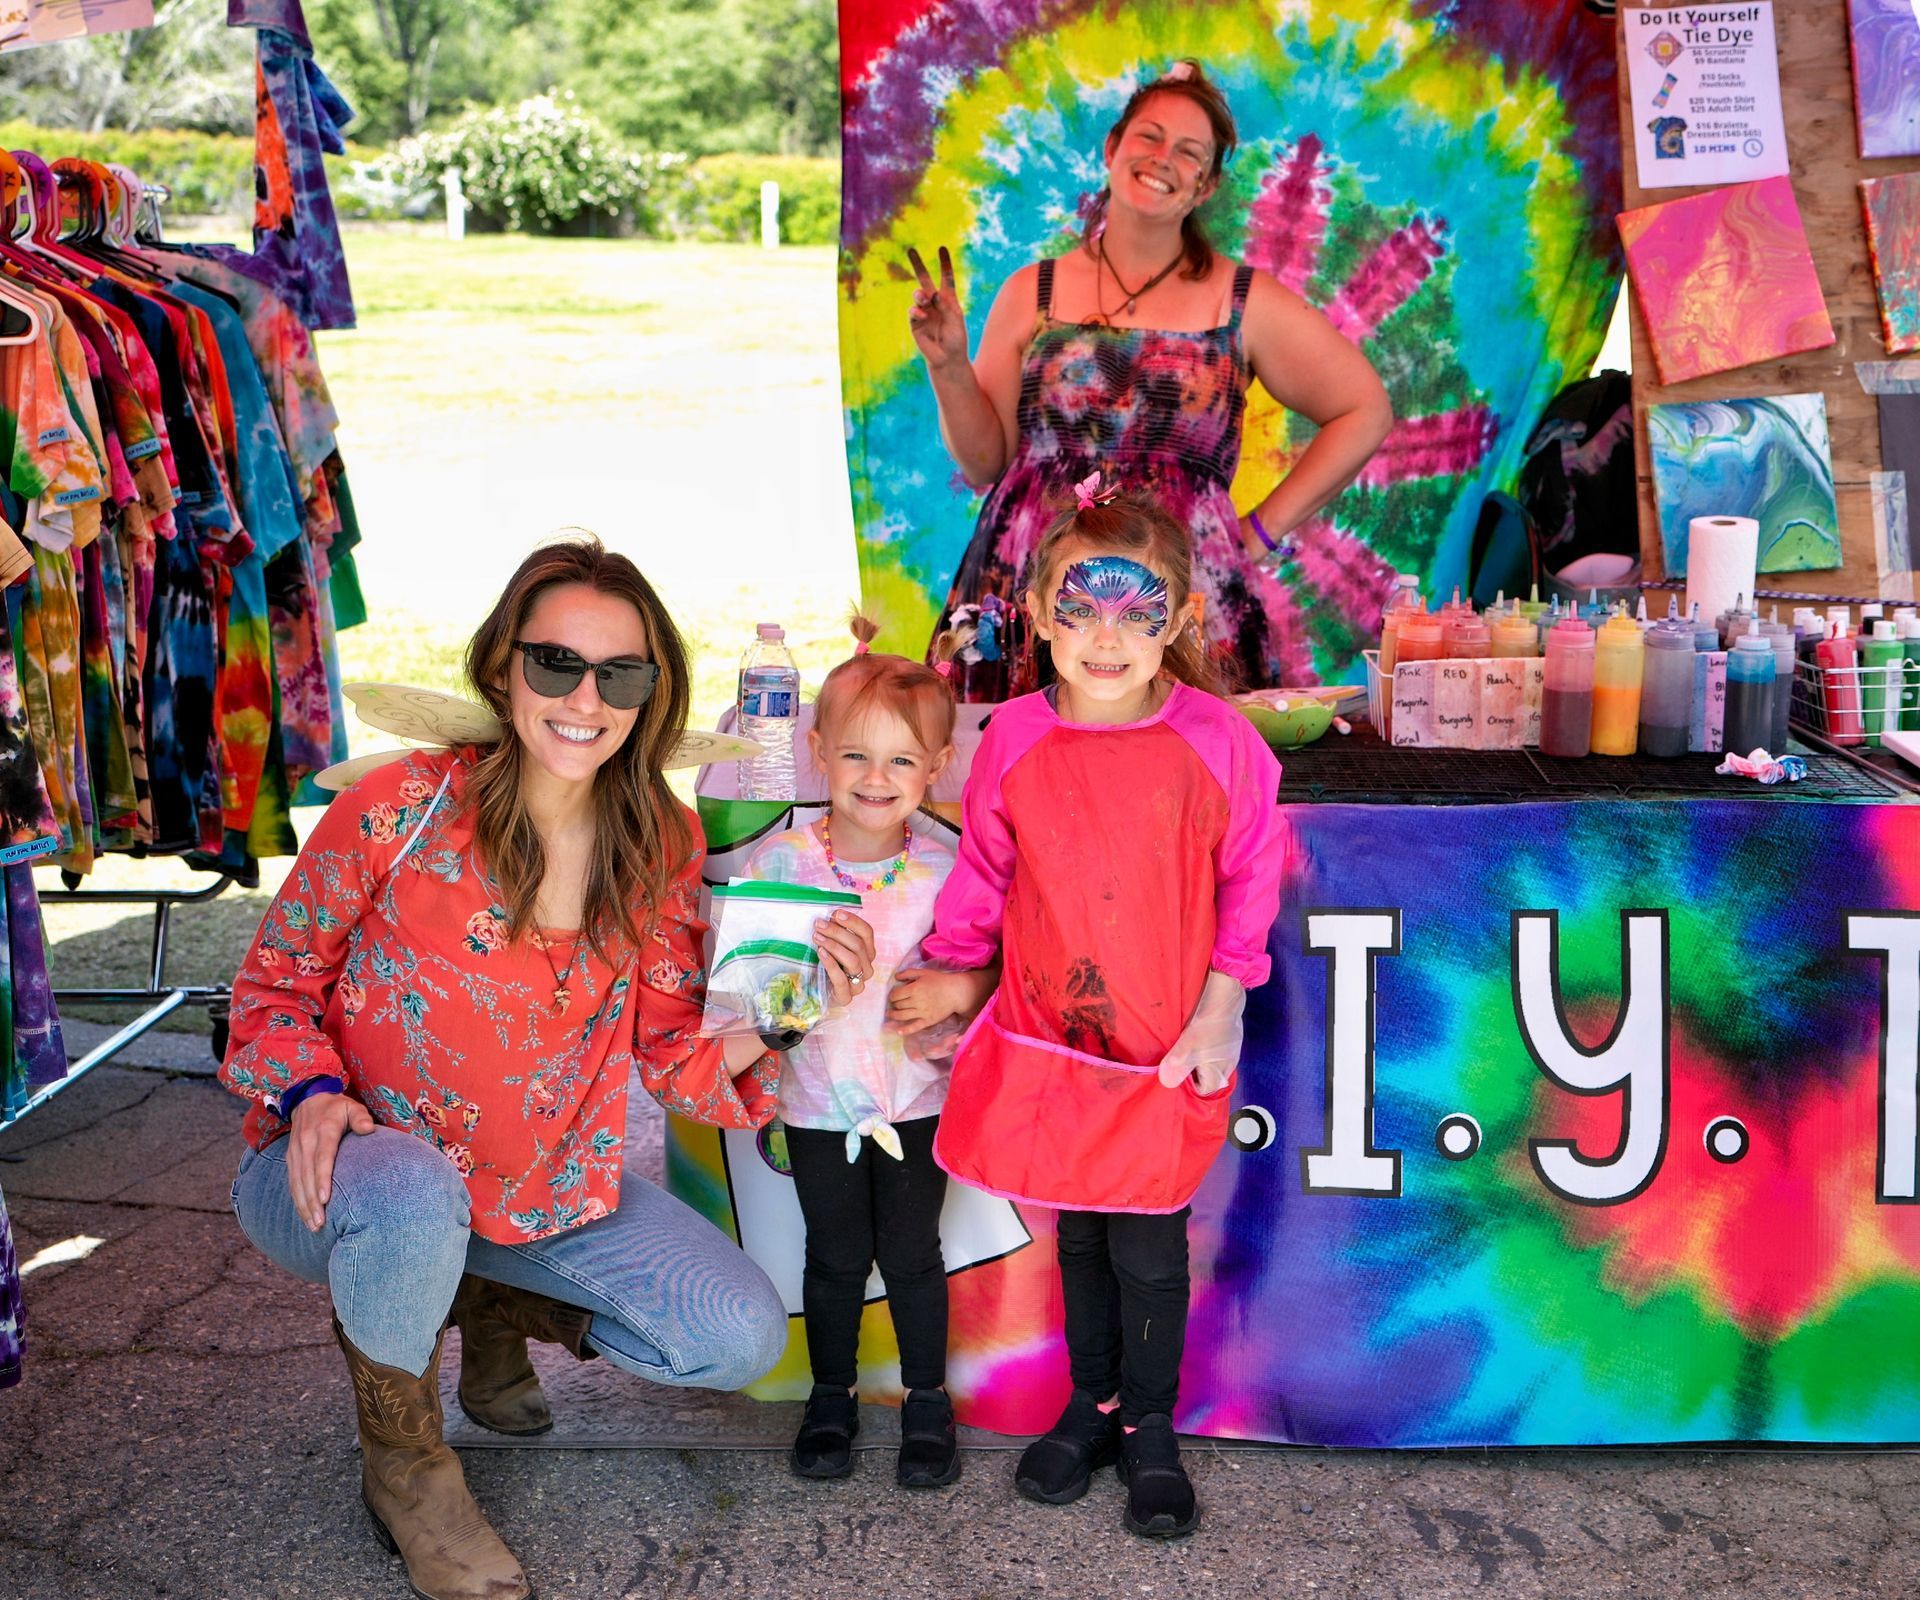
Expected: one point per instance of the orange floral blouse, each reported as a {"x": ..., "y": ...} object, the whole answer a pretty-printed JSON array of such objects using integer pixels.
[{"x": 385, "y": 961}]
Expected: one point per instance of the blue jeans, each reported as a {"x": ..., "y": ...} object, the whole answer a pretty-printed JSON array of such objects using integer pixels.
[{"x": 673, "y": 1298}]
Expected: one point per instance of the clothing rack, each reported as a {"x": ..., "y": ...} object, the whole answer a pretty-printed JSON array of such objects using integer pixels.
[
  {"x": 160, "y": 997},
  {"x": 291, "y": 494}
]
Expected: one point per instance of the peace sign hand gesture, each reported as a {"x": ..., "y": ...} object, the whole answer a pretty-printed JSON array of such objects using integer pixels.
[{"x": 939, "y": 325}]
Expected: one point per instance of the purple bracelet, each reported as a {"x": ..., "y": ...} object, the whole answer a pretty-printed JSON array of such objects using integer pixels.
[
  {"x": 325, "y": 1083},
  {"x": 1266, "y": 538}
]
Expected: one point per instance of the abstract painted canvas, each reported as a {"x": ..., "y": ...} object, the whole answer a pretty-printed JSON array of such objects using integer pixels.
[
  {"x": 1766, "y": 459},
  {"x": 1892, "y": 205},
  {"x": 1885, "y": 35},
  {"x": 1725, "y": 279}
]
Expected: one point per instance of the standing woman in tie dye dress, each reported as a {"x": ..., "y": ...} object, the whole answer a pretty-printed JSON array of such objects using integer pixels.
[{"x": 1132, "y": 355}]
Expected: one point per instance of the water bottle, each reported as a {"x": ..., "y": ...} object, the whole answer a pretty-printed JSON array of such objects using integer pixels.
[{"x": 769, "y": 709}]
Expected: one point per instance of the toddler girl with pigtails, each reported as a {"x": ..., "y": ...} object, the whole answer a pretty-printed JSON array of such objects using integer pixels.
[
  {"x": 859, "y": 1110},
  {"x": 1121, "y": 856}
]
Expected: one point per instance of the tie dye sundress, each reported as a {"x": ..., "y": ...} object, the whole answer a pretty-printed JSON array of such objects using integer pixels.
[{"x": 1160, "y": 413}]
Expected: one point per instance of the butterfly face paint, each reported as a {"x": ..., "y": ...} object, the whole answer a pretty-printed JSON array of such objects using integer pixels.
[{"x": 1112, "y": 590}]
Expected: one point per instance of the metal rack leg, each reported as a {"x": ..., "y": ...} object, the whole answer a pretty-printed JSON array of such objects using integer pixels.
[{"x": 160, "y": 998}]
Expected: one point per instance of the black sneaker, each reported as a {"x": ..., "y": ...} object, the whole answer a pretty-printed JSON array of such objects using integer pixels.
[
  {"x": 929, "y": 1450},
  {"x": 1159, "y": 1494},
  {"x": 823, "y": 1448},
  {"x": 1057, "y": 1467}
]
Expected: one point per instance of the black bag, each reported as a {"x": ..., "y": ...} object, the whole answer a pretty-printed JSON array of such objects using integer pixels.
[{"x": 1577, "y": 483}]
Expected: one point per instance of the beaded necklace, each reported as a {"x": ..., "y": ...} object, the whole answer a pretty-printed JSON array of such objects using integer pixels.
[{"x": 886, "y": 879}]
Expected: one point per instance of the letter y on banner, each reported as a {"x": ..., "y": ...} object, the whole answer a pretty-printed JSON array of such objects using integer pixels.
[{"x": 1633, "y": 1058}]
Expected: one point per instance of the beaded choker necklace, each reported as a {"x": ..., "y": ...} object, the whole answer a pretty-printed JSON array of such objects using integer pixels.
[{"x": 886, "y": 879}]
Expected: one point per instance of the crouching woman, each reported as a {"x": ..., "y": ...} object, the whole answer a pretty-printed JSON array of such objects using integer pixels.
[{"x": 436, "y": 1026}]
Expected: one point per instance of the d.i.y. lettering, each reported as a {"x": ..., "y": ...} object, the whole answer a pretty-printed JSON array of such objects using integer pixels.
[{"x": 1634, "y": 1060}]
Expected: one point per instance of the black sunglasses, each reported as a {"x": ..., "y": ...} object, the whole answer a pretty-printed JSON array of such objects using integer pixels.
[{"x": 555, "y": 671}]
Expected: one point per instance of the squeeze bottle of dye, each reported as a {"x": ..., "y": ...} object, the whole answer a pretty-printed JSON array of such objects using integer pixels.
[
  {"x": 1594, "y": 613},
  {"x": 1809, "y": 628},
  {"x": 1548, "y": 620},
  {"x": 1839, "y": 664},
  {"x": 1733, "y": 624},
  {"x": 1403, "y": 604},
  {"x": 1666, "y": 694},
  {"x": 1465, "y": 637},
  {"x": 1881, "y": 680},
  {"x": 1533, "y": 608},
  {"x": 1456, "y": 604},
  {"x": 1418, "y": 638},
  {"x": 1566, "y": 701},
  {"x": 1619, "y": 660},
  {"x": 1909, "y": 630},
  {"x": 1641, "y": 620},
  {"x": 1750, "y": 692},
  {"x": 1780, "y": 636},
  {"x": 1514, "y": 634},
  {"x": 1706, "y": 637}
]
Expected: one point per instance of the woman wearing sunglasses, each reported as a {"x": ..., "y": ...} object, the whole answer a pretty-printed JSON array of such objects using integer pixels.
[{"x": 436, "y": 1026}]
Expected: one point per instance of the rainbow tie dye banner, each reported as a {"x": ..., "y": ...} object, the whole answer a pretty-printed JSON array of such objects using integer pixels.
[
  {"x": 1439, "y": 176},
  {"x": 1559, "y": 1124}
]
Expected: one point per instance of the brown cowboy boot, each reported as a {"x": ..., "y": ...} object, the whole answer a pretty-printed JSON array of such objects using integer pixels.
[
  {"x": 498, "y": 1386},
  {"x": 415, "y": 1491}
]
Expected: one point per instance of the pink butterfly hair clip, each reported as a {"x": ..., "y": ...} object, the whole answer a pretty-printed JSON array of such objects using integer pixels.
[{"x": 1089, "y": 493}]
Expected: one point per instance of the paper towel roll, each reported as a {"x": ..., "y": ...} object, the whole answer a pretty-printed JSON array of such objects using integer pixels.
[{"x": 1723, "y": 554}]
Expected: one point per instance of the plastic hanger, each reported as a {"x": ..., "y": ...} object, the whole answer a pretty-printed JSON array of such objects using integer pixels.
[{"x": 19, "y": 319}]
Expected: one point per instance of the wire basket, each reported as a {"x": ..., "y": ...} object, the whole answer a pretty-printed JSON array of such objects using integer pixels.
[{"x": 1845, "y": 704}]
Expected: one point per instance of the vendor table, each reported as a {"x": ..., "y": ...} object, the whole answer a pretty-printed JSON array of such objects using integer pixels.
[{"x": 1581, "y": 1109}]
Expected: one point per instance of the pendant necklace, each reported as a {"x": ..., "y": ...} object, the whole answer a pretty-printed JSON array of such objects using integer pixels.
[
  {"x": 886, "y": 879},
  {"x": 562, "y": 993},
  {"x": 1133, "y": 295}
]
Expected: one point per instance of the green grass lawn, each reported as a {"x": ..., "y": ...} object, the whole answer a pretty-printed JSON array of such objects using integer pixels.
[{"x": 681, "y": 400}]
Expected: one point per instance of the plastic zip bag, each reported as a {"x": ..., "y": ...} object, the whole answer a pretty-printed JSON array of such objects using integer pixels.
[{"x": 765, "y": 977}]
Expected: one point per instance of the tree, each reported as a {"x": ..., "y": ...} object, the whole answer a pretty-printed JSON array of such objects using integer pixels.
[
  {"x": 707, "y": 75},
  {"x": 189, "y": 70},
  {"x": 402, "y": 63}
]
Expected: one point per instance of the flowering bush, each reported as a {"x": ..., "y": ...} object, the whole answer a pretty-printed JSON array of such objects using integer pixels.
[{"x": 543, "y": 166}]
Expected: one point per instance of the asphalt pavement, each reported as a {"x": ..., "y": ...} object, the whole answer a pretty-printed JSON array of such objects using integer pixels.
[{"x": 184, "y": 1429}]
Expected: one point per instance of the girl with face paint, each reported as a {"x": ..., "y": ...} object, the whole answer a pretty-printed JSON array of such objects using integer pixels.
[
  {"x": 1134, "y": 350},
  {"x": 1121, "y": 858}
]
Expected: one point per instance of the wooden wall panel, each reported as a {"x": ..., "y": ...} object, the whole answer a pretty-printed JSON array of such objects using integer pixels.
[{"x": 1816, "y": 87}]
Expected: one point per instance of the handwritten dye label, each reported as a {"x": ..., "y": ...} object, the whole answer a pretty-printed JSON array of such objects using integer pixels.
[
  {"x": 1706, "y": 733},
  {"x": 1456, "y": 704},
  {"x": 1503, "y": 703},
  {"x": 1413, "y": 692}
]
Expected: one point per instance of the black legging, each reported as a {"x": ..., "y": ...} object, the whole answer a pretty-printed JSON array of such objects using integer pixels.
[
  {"x": 858, "y": 1212},
  {"x": 1124, "y": 1278}
]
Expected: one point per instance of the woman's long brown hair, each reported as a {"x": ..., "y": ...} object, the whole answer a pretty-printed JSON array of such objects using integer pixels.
[
  {"x": 641, "y": 839},
  {"x": 1204, "y": 93}
]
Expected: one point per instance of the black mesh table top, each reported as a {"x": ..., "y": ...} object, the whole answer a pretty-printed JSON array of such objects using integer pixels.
[{"x": 1359, "y": 768}]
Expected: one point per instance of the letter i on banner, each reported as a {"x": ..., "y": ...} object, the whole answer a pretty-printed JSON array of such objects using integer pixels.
[
  {"x": 1633, "y": 1058},
  {"x": 1348, "y": 1163},
  {"x": 1897, "y": 937}
]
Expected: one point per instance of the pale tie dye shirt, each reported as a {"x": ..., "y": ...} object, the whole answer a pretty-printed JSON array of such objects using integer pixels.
[{"x": 849, "y": 1073}]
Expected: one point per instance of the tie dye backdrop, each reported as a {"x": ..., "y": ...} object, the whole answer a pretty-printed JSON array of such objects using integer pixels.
[
  {"x": 1755, "y": 1284},
  {"x": 1438, "y": 175}
]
